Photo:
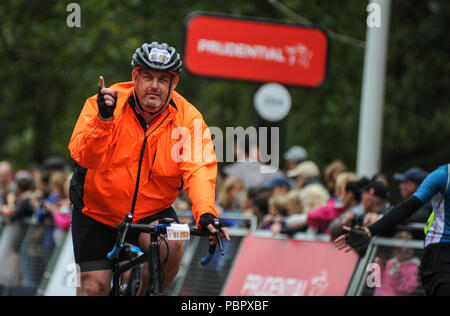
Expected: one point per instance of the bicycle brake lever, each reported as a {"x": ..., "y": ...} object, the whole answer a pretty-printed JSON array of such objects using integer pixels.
[
  {"x": 123, "y": 229},
  {"x": 219, "y": 239}
]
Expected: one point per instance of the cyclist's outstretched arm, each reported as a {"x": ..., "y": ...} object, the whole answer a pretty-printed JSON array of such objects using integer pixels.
[
  {"x": 434, "y": 183},
  {"x": 359, "y": 237},
  {"x": 396, "y": 216}
]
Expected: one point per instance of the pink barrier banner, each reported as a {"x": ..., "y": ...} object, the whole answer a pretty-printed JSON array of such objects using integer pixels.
[{"x": 287, "y": 267}]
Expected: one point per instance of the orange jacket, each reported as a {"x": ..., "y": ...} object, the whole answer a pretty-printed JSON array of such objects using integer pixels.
[{"x": 176, "y": 148}]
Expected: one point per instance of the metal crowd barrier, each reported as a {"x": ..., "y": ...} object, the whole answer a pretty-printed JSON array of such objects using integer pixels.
[
  {"x": 368, "y": 278},
  {"x": 364, "y": 279},
  {"x": 2, "y": 223},
  {"x": 197, "y": 280},
  {"x": 194, "y": 279},
  {"x": 25, "y": 251},
  {"x": 31, "y": 253}
]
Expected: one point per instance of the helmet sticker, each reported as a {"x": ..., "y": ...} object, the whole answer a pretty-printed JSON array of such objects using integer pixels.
[{"x": 159, "y": 56}]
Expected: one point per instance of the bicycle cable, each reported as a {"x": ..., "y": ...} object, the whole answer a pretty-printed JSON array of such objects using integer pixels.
[{"x": 162, "y": 263}]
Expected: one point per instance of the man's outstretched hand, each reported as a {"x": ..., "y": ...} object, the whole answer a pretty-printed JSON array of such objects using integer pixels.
[
  {"x": 106, "y": 99},
  {"x": 354, "y": 238}
]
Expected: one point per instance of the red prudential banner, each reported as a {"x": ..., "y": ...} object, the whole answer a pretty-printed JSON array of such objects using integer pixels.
[
  {"x": 275, "y": 267},
  {"x": 255, "y": 50}
]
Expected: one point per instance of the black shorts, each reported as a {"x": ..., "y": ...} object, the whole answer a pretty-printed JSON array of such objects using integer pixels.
[
  {"x": 435, "y": 267},
  {"x": 92, "y": 240}
]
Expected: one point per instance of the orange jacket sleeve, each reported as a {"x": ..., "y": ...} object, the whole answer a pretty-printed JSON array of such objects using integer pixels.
[
  {"x": 91, "y": 136},
  {"x": 199, "y": 169}
]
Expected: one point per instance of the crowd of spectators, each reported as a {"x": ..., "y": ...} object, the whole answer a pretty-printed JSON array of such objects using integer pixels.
[
  {"x": 304, "y": 198},
  {"x": 301, "y": 198},
  {"x": 37, "y": 195},
  {"x": 34, "y": 218}
]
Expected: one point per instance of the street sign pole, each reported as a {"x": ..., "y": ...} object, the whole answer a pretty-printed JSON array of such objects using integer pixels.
[
  {"x": 272, "y": 103},
  {"x": 373, "y": 90}
]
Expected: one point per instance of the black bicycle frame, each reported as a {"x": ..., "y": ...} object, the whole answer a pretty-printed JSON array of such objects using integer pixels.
[
  {"x": 154, "y": 274},
  {"x": 152, "y": 257}
]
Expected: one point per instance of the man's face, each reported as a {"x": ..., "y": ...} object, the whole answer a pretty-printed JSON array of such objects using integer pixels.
[
  {"x": 407, "y": 188},
  {"x": 152, "y": 88},
  {"x": 367, "y": 201}
]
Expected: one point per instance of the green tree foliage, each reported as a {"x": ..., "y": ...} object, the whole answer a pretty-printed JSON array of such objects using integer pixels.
[{"x": 49, "y": 69}]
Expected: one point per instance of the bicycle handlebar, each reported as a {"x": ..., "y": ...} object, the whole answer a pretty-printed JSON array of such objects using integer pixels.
[{"x": 126, "y": 225}]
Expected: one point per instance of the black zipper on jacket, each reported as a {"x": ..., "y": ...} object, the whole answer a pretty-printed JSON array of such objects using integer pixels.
[
  {"x": 153, "y": 163},
  {"x": 136, "y": 189},
  {"x": 141, "y": 158}
]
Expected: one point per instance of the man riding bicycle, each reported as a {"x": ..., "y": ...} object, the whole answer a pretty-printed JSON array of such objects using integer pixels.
[{"x": 136, "y": 145}]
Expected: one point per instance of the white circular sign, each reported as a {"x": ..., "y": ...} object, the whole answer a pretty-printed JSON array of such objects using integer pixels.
[{"x": 273, "y": 102}]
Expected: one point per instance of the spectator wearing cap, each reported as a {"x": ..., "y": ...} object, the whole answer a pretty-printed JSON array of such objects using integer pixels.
[
  {"x": 381, "y": 177},
  {"x": 410, "y": 181},
  {"x": 54, "y": 163},
  {"x": 279, "y": 186},
  {"x": 294, "y": 156},
  {"x": 305, "y": 173},
  {"x": 26, "y": 199},
  {"x": 375, "y": 199}
]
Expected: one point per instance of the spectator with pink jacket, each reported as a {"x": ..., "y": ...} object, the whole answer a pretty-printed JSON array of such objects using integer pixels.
[
  {"x": 58, "y": 204},
  {"x": 399, "y": 275},
  {"x": 321, "y": 217}
]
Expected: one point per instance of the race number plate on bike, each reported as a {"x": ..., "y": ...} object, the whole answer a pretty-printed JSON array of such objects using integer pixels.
[{"x": 178, "y": 232}]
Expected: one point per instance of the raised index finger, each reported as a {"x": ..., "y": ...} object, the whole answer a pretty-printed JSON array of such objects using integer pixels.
[{"x": 101, "y": 82}]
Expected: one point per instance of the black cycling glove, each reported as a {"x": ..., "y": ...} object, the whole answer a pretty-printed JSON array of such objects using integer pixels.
[
  {"x": 207, "y": 219},
  {"x": 105, "y": 110},
  {"x": 358, "y": 239}
]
